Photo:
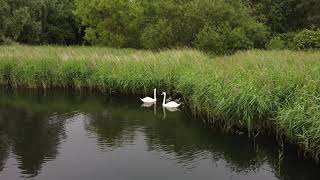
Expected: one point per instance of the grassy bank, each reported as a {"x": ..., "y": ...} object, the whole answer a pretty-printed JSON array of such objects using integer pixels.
[{"x": 281, "y": 88}]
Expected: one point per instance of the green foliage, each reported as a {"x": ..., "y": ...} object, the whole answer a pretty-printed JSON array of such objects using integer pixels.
[
  {"x": 288, "y": 39},
  {"x": 209, "y": 39},
  {"x": 307, "y": 39},
  {"x": 238, "y": 40},
  {"x": 222, "y": 40},
  {"x": 275, "y": 43},
  {"x": 59, "y": 25},
  {"x": 286, "y": 15},
  {"x": 158, "y": 35},
  {"x": 230, "y": 25},
  {"x": 39, "y": 21},
  {"x": 113, "y": 23},
  {"x": 169, "y": 23},
  {"x": 154, "y": 24}
]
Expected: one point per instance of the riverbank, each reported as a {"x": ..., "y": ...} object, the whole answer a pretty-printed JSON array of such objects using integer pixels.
[{"x": 281, "y": 88}]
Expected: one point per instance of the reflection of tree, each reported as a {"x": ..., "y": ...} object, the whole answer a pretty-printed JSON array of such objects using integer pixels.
[
  {"x": 175, "y": 134},
  {"x": 34, "y": 137},
  {"x": 116, "y": 125},
  {"x": 187, "y": 139}
]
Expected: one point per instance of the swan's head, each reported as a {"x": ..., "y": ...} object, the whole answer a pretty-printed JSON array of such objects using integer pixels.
[
  {"x": 154, "y": 90},
  {"x": 163, "y": 93}
]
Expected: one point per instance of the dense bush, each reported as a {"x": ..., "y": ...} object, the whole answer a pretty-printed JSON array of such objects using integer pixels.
[
  {"x": 288, "y": 39},
  {"x": 208, "y": 39},
  {"x": 307, "y": 39},
  {"x": 216, "y": 26},
  {"x": 276, "y": 43},
  {"x": 113, "y": 23},
  {"x": 151, "y": 24},
  {"x": 39, "y": 22},
  {"x": 158, "y": 35},
  {"x": 286, "y": 15},
  {"x": 222, "y": 40}
]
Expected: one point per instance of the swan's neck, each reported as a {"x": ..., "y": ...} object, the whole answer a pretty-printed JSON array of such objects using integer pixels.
[
  {"x": 155, "y": 95},
  {"x": 164, "y": 99}
]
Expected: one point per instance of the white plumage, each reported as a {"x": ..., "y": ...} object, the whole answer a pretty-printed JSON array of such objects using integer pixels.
[
  {"x": 171, "y": 104},
  {"x": 149, "y": 99}
]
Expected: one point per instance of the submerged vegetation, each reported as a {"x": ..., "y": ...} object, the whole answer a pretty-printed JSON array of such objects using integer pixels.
[{"x": 281, "y": 88}]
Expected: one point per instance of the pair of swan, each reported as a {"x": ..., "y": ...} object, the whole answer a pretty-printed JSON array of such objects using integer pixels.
[{"x": 170, "y": 104}]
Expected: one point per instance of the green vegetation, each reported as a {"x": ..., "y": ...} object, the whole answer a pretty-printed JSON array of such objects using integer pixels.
[
  {"x": 39, "y": 22},
  {"x": 278, "y": 88},
  {"x": 211, "y": 25},
  {"x": 307, "y": 39},
  {"x": 215, "y": 26},
  {"x": 284, "y": 16}
]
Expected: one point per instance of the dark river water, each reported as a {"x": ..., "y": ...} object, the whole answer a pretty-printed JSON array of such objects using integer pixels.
[{"x": 90, "y": 136}]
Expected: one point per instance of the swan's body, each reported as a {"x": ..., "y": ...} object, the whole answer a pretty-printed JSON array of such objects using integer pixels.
[
  {"x": 170, "y": 104},
  {"x": 149, "y": 99}
]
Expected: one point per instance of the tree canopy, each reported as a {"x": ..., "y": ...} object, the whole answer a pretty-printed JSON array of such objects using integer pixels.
[
  {"x": 39, "y": 22},
  {"x": 218, "y": 26}
]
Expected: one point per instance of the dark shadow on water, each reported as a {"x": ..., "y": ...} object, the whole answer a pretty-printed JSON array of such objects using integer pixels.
[{"x": 33, "y": 129}]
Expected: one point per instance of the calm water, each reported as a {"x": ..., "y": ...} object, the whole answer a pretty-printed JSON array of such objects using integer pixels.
[{"x": 66, "y": 136}]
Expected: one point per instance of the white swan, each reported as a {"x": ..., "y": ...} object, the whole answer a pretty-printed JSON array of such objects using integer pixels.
[
  {"x": 149, "y": 99},
  {"x": 170, "y": 104}
]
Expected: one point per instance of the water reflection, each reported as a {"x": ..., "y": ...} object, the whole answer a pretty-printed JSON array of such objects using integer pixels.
[
  {"x": 35, "y": 130},
  {"x": 148, "y": 105},
  {"x": 32, "y": 137},
  {"x": 4, "y": 151},
  {"x": 171, "y": 109}
]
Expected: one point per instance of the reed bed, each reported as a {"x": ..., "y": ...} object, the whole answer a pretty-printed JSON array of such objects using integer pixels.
[{"x": 281, "y": 88}]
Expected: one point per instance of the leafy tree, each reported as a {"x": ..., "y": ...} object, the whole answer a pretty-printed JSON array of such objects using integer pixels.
[
  {"x": 286, "y": 15},
  {"x": 158, "y": 35},
  {"x": 112, "y": 23},
  {"x": 307, "y": 12},
  {"x": 59, "y": 25},
  {"x": 39, "y": 21}
]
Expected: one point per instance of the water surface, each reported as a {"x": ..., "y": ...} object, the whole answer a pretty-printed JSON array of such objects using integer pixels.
[{"x": 92, "y": 136}]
